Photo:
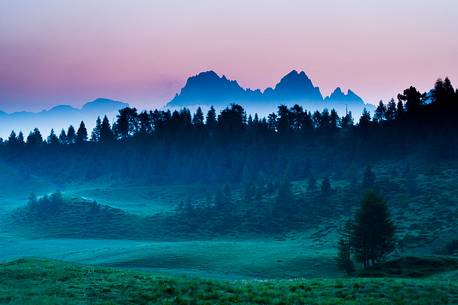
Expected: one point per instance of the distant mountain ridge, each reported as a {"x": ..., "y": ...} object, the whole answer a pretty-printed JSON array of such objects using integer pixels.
[
  {"x": 207, "y": 88},
  {"x": 58, "y": 117}
]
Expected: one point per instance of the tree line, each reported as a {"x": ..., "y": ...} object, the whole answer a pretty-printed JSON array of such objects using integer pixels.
[{"x": 231, "y": 146}]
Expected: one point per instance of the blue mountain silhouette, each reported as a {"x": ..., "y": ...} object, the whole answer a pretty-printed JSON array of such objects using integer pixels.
[
  {"x": 58, "y": 117},
  {"x": 207, "y": 88}
]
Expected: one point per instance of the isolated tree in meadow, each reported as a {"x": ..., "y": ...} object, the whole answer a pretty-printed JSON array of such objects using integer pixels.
[
  {"x": 368, "y": 178},
  {"x": 52, "y": 138},
  {"x": 373, "y": 230},
  {"x": 95, "y": 136},
  {"x": 71, "y": 135},
  {"x": 81, "y": 134}
]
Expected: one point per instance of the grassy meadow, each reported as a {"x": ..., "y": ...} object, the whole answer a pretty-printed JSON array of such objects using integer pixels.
[
  {"x": 127, "y": 262},
  {"x": 32, "y": 281}
]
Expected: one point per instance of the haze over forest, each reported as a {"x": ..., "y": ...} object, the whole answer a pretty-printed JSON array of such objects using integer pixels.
[{"x": 228, "y": 152}]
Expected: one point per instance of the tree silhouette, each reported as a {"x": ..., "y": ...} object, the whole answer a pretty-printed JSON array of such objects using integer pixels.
[
  {"x": 380, "y": 112},
  {"x": 95, "y": 136},
  {"x": 34, "y": 138},
  {"x": 390, "y": 113},
  {"x": 71, "y": 135},
  {"x": 334, "y": 120},
  {"x": 52, "y": 138},
  {"x": 211, "y": 119},
  {"x": 63, "y": 137},
  {"x": 126, "y": 123},
  {"x": 399, "y": 110},
  {"x": 144, "y": 123},
  {"x": 347, "y": 120},
  {"x": 106, "y": 134},
  {"x": 412, "y": 98},
  {"x": 198, "y": 119},
  {"x": 81, "y": 134},
  {"x": 365, "y": 120},
  {"x": 373, "y": 230},
  {"x": 20, "y": 138},
  {"x": 12, "y": 139}
]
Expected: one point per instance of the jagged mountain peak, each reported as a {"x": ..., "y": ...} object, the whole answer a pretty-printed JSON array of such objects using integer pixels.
[
  {"x": 339, "y": 97},
  {"x": 208, "y": 88}
]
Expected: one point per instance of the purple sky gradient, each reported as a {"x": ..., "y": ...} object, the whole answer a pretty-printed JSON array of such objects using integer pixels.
[{"x": 69, "y": 52}]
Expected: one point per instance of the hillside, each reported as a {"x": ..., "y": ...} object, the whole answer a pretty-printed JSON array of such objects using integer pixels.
[
  {"x": 58, "y": 117},
  {"x": 422, "y": 201},
  {"x": 32, "y": 281}
]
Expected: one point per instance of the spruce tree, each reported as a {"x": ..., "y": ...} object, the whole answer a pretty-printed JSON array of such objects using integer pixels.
[
  {"x": 71, "y": 135},
  {"x": 81, "y": 134},
  {"x": 198, "y": 119},
  {"x": 52, "y": 138},
  {"x": 12, "y": 139},
  {"x": 95, "y": 136},
  {"x": 390, "y": 113},
  {"x": 20, "y": 138},
  {"x": 106, "y": 134},
  {"x": 63, "y": 137},
  {"x": 34, "y": 138},
  {"x": 373, "y": 230},
  {"x": 380, "y": 112},
  {"x": 211, "y": 119}
]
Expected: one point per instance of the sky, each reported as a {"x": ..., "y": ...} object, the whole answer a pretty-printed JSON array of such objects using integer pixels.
[{"x": 142, "y": 51}]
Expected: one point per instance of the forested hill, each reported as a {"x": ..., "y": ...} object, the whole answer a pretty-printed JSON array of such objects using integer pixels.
[{"x": 229, "y": 147}]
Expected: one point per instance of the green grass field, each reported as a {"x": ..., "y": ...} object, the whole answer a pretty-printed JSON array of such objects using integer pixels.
[
  {"x": 290, "y": 268},
  {"x": 31, "y": 281}
]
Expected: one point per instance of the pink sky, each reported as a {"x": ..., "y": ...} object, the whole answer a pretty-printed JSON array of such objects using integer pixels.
[{"x": 69, "y": 52}]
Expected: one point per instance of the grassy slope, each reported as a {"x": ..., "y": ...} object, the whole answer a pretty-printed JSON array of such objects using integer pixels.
[{"x": 53, "y": 282}]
